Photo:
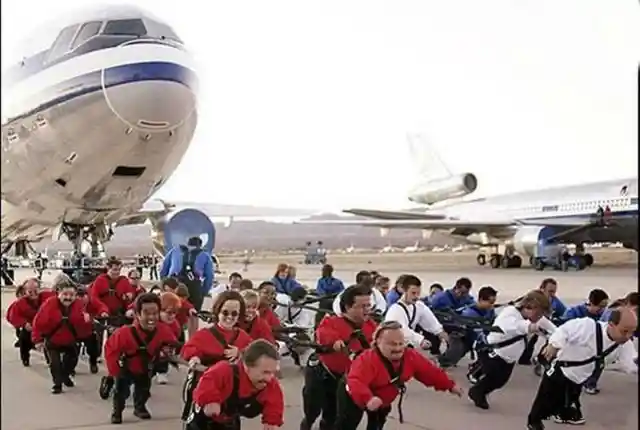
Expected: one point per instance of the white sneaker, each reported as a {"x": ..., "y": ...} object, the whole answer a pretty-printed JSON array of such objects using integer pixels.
[{"x": 161, "y": 379}]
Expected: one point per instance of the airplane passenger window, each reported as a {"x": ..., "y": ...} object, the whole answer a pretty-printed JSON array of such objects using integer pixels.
[
  {"x": 63, "y": 42},
  {"x": 125, "y": 27},
  {"x": 634, "y": 200},
  {"x": 88, "y": 30}
]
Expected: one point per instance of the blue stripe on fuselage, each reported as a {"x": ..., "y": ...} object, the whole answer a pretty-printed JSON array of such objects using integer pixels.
[
  {"x": 113, "y": 76},
  {"x": 619, "y": 215}
]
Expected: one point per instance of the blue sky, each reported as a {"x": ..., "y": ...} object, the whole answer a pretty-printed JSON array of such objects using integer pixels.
[{"x": 308, "y": 104}]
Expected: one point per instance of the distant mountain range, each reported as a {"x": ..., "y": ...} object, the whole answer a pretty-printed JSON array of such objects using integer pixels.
[{"x": 270, "y": 236}]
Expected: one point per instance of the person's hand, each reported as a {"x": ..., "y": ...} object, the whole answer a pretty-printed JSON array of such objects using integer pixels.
[
  {"x": 193, "y": 312},
  {"x": 129, "y": 313},
  {"x": 128, "y": 296},
  {"x": 549, "y": 352},
  {"x": 87, "y": 317},
  {"x": 425, "y": 344},
  {"x": 39, "y": 346},
  {"x": 104, "y": 315},
  {"x": 457, "y": 391},
  {"x": 338, "y": 345},
  {"x": 374, "y": 403},
  {"x": 194, "y": 361},
  {"x": 211, "y": 409},
  {"x": 27, "y": 327},
  {"x": 231, "y": 352}
]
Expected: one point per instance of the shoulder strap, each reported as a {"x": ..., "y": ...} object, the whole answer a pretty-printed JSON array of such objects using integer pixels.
[
  {"x": 394, "y": 376},
  {"x": 220, "y": 338},
  {"x": 357, "y": 334},
  {"x": 598, "y": 358},
  {"x": 507, "y": 342},
  {"x": 235, "y": 391},
  {"x": 411, "y": 318},
  {"x": 292, "y": 316}
]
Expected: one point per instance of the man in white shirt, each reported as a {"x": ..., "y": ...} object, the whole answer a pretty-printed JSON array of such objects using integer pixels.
[
  {"x": 498, "y": 357},
  {"x": 575, "y": 351},
  {"x": 378, "y": 302},
  {"x": 295, "y": 316},
  {"x": 412, "y": 313}
]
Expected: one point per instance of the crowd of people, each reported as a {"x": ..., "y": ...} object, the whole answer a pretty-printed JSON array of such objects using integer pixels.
[{"x": 359, "y": 346}]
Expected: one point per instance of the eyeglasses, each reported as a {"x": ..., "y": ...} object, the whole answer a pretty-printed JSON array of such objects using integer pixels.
[{"x": 232, "y": 314}]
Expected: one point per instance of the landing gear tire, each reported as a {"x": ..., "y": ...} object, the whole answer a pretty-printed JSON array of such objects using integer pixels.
[
  {"x": 494, "y": 261},
  {"x": 516, "y": 261},
  {"x": 505, "y": 262},
  {"x": 481, "y": 259},
  {"x": 588, "y": 260}
]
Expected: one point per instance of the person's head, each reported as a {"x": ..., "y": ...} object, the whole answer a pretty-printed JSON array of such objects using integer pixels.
[
  {"x": 355, "y": 302},
  {"x": 234, "y": 281},
  {"x": 228, "y": 309},
  {"x": 631, "y": 299},
  {"x": 298, "y": 295},
  {"x": 327, "y": 271},
  {"x": 435, "y": 289},
  {"x": 251, "y": 301},
  {"x": 147, "y": 310},
  {"x": 462, "y": 287},
  {"x": 622, "y": 324},
  {"x": 389, "y": 339},
  {"x": 267, "y": 291},
  {"x": 81, "y": 293},
  {"x": 31, "y": 288},
  {"x": 246, "y": 284},
  {"x": 382, "y": 284},
  {"x": 487, "y": 296},
  {"x": 20, "y": 291},
  {"x": 134, "y": 278},
  {"x": 411, "y": 288},
  {"x": 374, "y": 275},
  {"x": 114, "y": 267},
  {"x": 282, "y": 271},
  {"x": 598, "y": 301},
  {"x": 261, "y": 362},
  {"x": 293, "y": 272},
  {"x": 194, "y": 243},
  {"x": 398, "y": 285},
  {"x": 363, "y": 277},
  {"x": 549, "y": 286},
  {"x": 534, "y": 305},
  {"x": 182, "y": 291},
  {"x": 170, "y": 304},
  {"x": 67, "y": 292},
  {"x": 170, "y": 284}
]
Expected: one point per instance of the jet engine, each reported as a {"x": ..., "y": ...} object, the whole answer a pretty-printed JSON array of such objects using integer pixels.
[
  {"x": 175, "y": 228},
  {"x": 526, "y": 238},
  {"x": 443, "y": 189}
]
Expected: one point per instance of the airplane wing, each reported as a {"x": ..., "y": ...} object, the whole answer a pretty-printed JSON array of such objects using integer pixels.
[
  {"x": 382, "y": 214},
  {"x": 427, "y": 224}
]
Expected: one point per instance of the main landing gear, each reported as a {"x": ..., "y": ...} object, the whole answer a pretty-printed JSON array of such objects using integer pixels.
[
  {"x": 84, "y": 269},
  {"x": 497, "y": 260}
]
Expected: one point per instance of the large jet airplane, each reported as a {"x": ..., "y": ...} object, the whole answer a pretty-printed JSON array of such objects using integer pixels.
[
  {"x": 92, "y": 126},
  {"x": 522, "y": 221}
]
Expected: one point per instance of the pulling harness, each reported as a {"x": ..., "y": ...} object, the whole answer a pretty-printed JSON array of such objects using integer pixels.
[
  {"x": 193, "y": 376},
  {"x": 356, "y": 334},
  {"x": 395, "y": 379}
]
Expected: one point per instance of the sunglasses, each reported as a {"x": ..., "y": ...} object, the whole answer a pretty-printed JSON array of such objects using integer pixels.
[{"x": 232, "y": 314}]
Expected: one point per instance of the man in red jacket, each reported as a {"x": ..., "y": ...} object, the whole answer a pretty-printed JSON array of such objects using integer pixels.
[
  {"x": 113, "y": 289},
  {"x": 347, "y": 335},
  {"x": 247, "y": 389},
  {"x": 379, "y": 375},
  {"x": 22, "y": 312},
  {"x": 132, "y": 352},
  {"x": 58, "y": 326}
]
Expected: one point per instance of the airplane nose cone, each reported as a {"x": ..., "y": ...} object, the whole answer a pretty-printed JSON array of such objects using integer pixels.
[{"x": 152, "y": 96}]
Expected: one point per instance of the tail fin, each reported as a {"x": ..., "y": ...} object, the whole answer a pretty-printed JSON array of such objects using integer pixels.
[{"x": 427, "y": 162}]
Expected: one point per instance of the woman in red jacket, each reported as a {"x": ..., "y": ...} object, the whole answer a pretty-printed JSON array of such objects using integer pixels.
[
  {"x": 380, "y": 374},
  {"x": 170, "y": 306},
  {"x": 253, "y": 324}
]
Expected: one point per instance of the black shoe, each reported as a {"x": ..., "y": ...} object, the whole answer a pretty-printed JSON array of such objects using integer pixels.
[
  {"x": 93, "y": 368},
  {"x": 56, "y": 389},
  {"x": 69, "y": 382},
  {"x": 304, "y": 425},
  {"x": 142, "y": 413},
  {"x": 478, "y": 399},
  {"x": 72, "y": 373},
  {"x": 536, "y": 426},
  {"x": 116, "y": 417},
  {"x": 25, "y": 362},
  {"x": 16, "y": 344}
]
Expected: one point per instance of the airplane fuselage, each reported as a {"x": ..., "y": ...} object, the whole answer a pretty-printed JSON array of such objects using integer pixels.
[{"x": 95, "y": 125}]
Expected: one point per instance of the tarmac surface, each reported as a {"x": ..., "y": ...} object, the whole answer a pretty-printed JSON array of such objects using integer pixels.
[{"x": 28, "y": 405}]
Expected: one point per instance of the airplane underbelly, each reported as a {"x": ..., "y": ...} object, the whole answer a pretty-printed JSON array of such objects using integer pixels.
[{"x": 89, "y": 159}]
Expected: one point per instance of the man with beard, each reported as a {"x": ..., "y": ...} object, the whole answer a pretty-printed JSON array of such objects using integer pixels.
[
  {"x": 247, "y": 389},
  {"x": 58, "y": 326},
  {"x": 133, "y": 351}
]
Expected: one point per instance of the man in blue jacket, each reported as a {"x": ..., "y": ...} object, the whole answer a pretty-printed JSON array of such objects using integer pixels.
[
  {"x": 393, "y": 295},
  {"x": 193, "y": 267},
  {"x": 549, "y": 286},
  {"x": 456, "y": 298},
  {"x": 327, "y": 284}
]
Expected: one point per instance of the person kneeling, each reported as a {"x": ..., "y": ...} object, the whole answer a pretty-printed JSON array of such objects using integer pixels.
[
  {"x": 379, "y": 375},
  {"x": 132, "y": 352},
  {"x": 226, "y": 392}
]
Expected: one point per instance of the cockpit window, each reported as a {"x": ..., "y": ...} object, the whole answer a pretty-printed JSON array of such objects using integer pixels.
[
  {"x": 125, "y": 27},
  {"x": 87, "y": 31},
  {"x": 63, "y": 42}
]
